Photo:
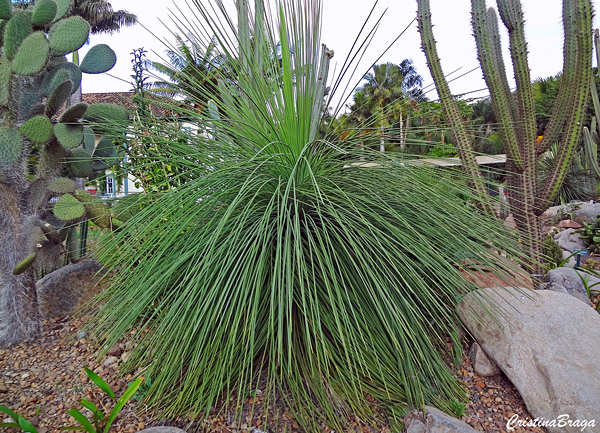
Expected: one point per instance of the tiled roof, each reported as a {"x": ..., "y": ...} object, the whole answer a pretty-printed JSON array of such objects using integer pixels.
[{"x": 125, "y": 100}]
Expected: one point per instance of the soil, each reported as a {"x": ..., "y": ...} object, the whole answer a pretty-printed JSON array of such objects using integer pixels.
[{"x": 43, "y": 379}]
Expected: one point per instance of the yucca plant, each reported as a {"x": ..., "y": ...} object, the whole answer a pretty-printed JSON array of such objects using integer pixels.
[{"x": 290, "y": 265}]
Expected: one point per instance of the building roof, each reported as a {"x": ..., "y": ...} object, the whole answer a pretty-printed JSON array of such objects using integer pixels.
[{"x": 161, "y": 108}]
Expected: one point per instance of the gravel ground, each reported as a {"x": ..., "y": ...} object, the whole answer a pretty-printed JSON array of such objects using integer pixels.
[{"x": 43, "y": 379}]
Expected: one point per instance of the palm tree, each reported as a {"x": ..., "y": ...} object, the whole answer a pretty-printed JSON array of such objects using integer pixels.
[
  {"x": 102, "y": 17},
  {"x": 192, "y": 73},
  {"x": 390, "y": 86}
]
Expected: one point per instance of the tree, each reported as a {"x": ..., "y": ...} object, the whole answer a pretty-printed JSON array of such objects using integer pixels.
[
  {"x": 102, "y": 17},
  {"x": 515, "y": 113},
  {"x": 193, "y": 73},
  {"x": 388, "y": 88},
  {"x": 39, "y": 203}
]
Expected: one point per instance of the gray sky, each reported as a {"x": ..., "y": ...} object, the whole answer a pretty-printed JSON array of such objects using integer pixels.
[{"x": 342, "y": 21}]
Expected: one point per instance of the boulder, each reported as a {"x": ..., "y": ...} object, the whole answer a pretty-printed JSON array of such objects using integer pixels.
[
  {"x": 587, "y": 213},
  {"x": 569, "y": 240},
  {"x": 482, "y": 364},
  {"x": 63, "y": 291},
  {"x": 435, "y": 421},
  {"x": 566, "y": 280},
  {"x": 544, "y": 342}
]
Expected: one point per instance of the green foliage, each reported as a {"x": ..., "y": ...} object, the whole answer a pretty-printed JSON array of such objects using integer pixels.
[
  {"x": 62, "y": 7},
  {"x": 24, "y": 264},
  {"x": 69, "y": 135},
  {"x": 281, "y": 260},
  {"x": 5, "y": 9},
  {"x": 58, "y": 97},
  {"x": 590, "y": 234},
  {"x": 62, "y": 185},
  {"x": 106, "y": 117},
  {"x": 577, "y": 185},
  {"x": 80, "y": 163},
  {"x": 73, "y": 113},
  {"x": 100, "y": 422},
  {"x": 89, "y": 139},
  {"x": 458, "y": 408},
  {"x": 100, "y": 58},
  {"x": 38, "y": 129},
  {"x": 11, "y": 146},
  {"x": 552, "y": 253},
  {"x": 16, "y": 30},
  {"x": 68, "y": 208},
  {"x": 98, "y": 213},
  {"x": 127, "y": 207},
  {"x": 58, "y": 74},
  {"x": 68, "y": 35},
  {"x": 5, "y": 70},
  {"x": 32, "y": 55},
  {"x": 43, "y": 13}
]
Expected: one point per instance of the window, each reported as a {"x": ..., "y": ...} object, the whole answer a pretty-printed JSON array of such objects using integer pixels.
[{"x": 110, "y": 185}]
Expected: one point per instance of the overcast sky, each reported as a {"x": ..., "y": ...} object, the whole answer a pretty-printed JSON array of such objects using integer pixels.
[{"x": 342, "y": 21}]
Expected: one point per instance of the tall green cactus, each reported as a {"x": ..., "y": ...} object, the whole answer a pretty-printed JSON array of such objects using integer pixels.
[
  {"x": 591, "y": 136},
  {"x": 516, "y": 110},
  {"x": 39, "y": 206}
]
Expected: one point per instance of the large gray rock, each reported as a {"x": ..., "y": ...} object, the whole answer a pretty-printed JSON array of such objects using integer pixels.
[
  {"x": 544, "y": 342},
  {"x": 63, "y": 291},
  {"x": 587, "y": 213},
  {"x": 482, "y": 364},
  {"x": 436, "y": 421},
  {"x": 567, "y": 280},
  {"x": 569, "y": 240}
]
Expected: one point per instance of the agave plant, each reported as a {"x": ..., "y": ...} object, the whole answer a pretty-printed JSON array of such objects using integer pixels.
[{"x": 290, "y": 265}]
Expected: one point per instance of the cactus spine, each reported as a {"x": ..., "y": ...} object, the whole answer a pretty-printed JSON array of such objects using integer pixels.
[
  {"x": 37, "y": 205},
  {"x": 516, "y": 111}
]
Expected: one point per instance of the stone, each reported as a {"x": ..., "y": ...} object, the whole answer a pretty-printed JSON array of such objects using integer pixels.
[
  {"x": 482, "y": 364},
  {"x": 115, "y": 351},
  {"x": 569, "y": 259},
  {"x": 65, "y": 290},
  {"x": 566, "y": 280},
  {"x": 569, "y": 224},
  {"x": 543, "y": 342},
  {"x": 162, "y": 429},
  {"x": 110, "y": 360},
  {"x": 586, "y": 213},
  {"x": 569, "y": 240},
  {"x": 551, "y": 212},
  {"x": 435, "y": 421}
]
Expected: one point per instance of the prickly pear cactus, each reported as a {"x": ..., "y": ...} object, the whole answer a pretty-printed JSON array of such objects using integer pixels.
[{"x": 44, "y": 146}]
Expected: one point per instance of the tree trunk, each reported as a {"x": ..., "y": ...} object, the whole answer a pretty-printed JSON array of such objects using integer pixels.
[{"x": 19, "y": 315}]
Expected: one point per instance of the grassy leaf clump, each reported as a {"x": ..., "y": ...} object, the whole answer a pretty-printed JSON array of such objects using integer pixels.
[{"x": 291, "y": 263}]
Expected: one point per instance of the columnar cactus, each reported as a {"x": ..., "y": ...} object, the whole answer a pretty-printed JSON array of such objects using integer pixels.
[
  {"x": 39, "y": 205},
  {"x": 591, "y": 136},
  {"x": 516, "y": 110}
]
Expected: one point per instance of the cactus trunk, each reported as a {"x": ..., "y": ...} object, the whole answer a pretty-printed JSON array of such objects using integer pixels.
[
  {"x": 516, "y": 111},
  {"x": 18, "y": 296},
  {"x": 35, "y": 200}
]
